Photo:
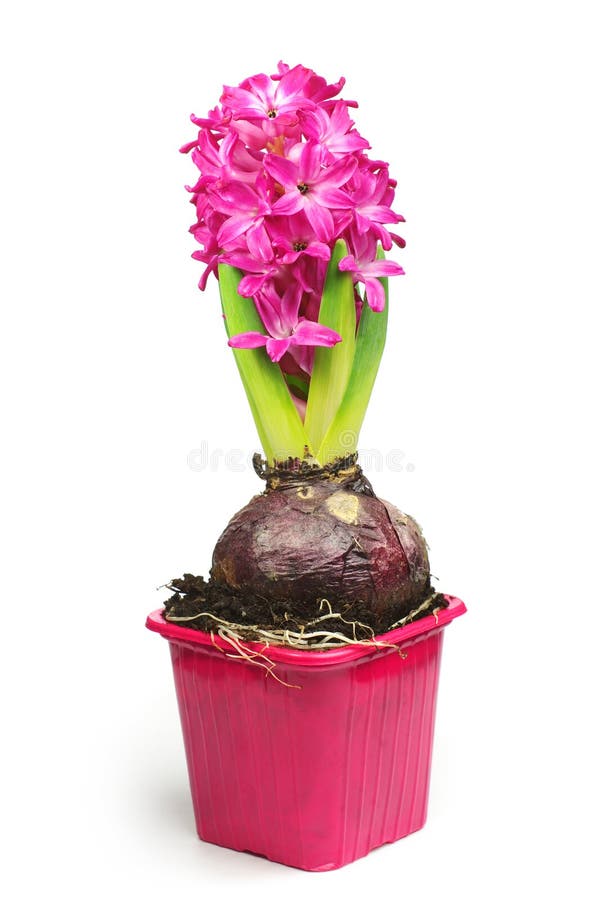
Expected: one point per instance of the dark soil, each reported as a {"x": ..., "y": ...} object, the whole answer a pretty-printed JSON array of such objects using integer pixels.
[{"x": 192, "y": 595}]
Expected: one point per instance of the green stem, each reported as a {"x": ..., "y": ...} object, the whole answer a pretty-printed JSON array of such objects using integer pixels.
[{"x": 332, "y": 365}]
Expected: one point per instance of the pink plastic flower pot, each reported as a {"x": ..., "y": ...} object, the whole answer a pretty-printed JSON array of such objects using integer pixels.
[{"x": 313, "y": 776}]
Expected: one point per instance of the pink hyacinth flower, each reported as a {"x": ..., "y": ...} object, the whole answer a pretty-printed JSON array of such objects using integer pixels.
[
  {"x": 316, "y": 87},
  {"x": 246, "y": 208},
  {"x": 271, "y": 105},
  {"x": 284, "y": 326},
  {"x": 283, "y": 175},
  {"x": 293, "y": 237},
  {"x": 372, "y": 196},
  {"x": 257, "y": 271},
  {"x": 369, "y": 273},
  {"x": 312, "y": 188},
  {"x": 228, "y": 161},
  {"x": 335, "y": 132}
]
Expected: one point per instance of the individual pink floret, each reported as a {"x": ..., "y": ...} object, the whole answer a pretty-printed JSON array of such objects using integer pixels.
[{"x": 284, "y": 326}]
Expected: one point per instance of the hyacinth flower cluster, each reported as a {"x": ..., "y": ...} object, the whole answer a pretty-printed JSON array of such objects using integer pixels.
[{"x": 293, "y": 216}]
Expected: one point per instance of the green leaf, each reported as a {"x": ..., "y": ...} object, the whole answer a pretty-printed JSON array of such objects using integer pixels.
[
  {"x": 332, "y": 365},
  {"x": 342, "y": 436},
  {"x": 278, "y": 423}
]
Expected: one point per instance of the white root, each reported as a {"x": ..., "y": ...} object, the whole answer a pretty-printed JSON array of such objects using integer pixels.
[
  {"x": 250, "y": 656},
  {"x": 415, "y": 613},
  {"x": 298, "y": 640}
]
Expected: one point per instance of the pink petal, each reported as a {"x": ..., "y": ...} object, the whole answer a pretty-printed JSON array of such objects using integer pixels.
[
  {"x": 252, "y": 284},
  {"x": 251, "y": 134},
  {"x": 382, "y": 214},
  {"x": 282, "y": 170},
  {"x": 290, "y": 305},
  {"x": 318, "y": 250},
  {"x": 339, "y": 173},
  {"x": 347, "y": 143},
  {"x": 312, "y": 334},
  {"x": 309, "y": 164},
  {"x": 302, "y": 356},
  {"x": 342, "y": 219},
  {"x": 258, "y": 242},
  {"x": 380, "y": 268},
  {"x": 361, "y": 223},
  {"x": 242, "y": 259},
  {"x": 321, "y": 90},
  {"x": 292, "y": 83},
  {"x": 332, "y": 197},
  {"x": 276, "y": 347},
  {"x": 268, "y": 303},
  {"x": 312, "y": 124},
  {"x": 233, "y": 227},
  {"x": 291, "y": 257},
  {"x": 290, "y": 203},
  {"x": 341, "y": 121},
  {"x": 374, "y": 291},
  {"x": 348, "y": 264},
  {"x": 233, "y": 197},
  {"x": 235, "y": 99},
  {"x": 248, "y": 340},
  {"x": 304, "y": 272},
  {"x": 185, "y": 148},
  {"x": 321, "y": 220},
  {"x": 399, "y": 241},
  {"x": 262, "y": 86},
  {"x": 383, "y": 236}
]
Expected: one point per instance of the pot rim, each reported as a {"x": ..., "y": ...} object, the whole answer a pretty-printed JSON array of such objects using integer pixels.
[{"x": 398, "y": 636}]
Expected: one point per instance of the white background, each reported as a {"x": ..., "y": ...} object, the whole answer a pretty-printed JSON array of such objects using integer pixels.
[{"x": 115, "y": 369}]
